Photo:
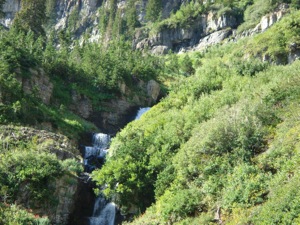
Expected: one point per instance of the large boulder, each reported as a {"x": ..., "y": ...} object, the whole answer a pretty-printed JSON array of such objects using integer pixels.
[{"x": 153, "y": 90}]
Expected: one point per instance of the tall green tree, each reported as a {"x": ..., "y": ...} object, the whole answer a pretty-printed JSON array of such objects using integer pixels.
[
  {"x": 131, "y": 16},
  {"x": 1, "y": 7},
  {"x": 295, "y": 4},
  {"x": 187, "y": 66},
  {"x": 154, "y": 10},
  {"x": 32, "y": 16}
]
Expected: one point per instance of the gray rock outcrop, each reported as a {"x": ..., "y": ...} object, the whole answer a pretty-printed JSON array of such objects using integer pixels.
[
  {"x": 178, "y": 38},
  {"x": 266, "y": 21},
  {"x": 64, "y": 187},
  {"x": 38, "y": 83},
  {"x": 10, "y": 8},
  {"x": 81, "y": 105},
  {"x": 153, "y": 90},
  {"x": 214, "y": 38},
  {"x": 57, "y": 144},
  {"x": 294, "y": 53},
  {"x": 197, "y": 35}
]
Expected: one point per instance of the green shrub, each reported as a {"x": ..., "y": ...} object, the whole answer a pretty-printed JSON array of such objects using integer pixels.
[
  {"x": 72, "y": 166},
  {"x": 29, "y": 171},
  {"x": 14, "y": 215}
]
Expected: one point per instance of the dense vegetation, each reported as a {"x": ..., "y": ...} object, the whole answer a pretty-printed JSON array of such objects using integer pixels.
[
  {"x": 69, "y": 70},
  {"x": 94, "y": 70},
  {"x": 224, "y": 140}
]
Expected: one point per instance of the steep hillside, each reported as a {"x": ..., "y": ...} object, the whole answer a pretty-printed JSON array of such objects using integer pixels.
[
  {"x": 223, "y": 146},
  {"x": 160, "y": 26},
  {"x": 220, "y": 143}
]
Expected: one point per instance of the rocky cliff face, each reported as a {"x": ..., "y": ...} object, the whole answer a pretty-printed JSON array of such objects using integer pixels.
[
  {"x": 10, "y": 8},
  {"x": 65, "y": 187},
  {"x": 266, "y": 21},
  {"x": 86, "y": 11},
  {"x": 117, "y": 113},
  {"x": 179, "y": 38},
  {"x": 120, "y": 110},
  {"x": 206, "y": 30}
]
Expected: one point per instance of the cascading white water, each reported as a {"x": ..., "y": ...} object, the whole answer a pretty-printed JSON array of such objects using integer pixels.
[
  {"x": 104, "y": 213},
  {"x": 92, "y": 154},
  {"x": 140, "y": 112}
]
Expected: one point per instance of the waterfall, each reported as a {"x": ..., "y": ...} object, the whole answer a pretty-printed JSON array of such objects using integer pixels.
[
  {"x": 94, "y": 155},
  {"x": 140, "y": 112},
  {"x": 104, "y": 212}
]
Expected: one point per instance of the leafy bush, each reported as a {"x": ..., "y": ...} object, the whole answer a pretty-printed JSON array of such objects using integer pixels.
[
  {"x": 178, "y": 205},
  {"x": 72, "y": 166},
  {"x": 247, "y": 186},
  {"x": 30, "y": 172},
  {"x": 214, "y": 134},
  {"x": 14, "y": 215}
]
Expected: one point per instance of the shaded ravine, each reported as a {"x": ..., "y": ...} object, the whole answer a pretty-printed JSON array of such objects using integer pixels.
[{"x": 104, "y": 212}]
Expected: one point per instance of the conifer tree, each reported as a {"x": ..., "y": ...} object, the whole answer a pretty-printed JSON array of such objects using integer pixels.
[
  {"x": 154, "y": 10},
  {"x": 31, "y": 17},
  {"x": 131, "y": 16},
  {"x": 1, "y": 7},
  {"x": 117, "y": 28},
  {"x": 295, "y": 4},
  {"x": 187, "y": 66}
]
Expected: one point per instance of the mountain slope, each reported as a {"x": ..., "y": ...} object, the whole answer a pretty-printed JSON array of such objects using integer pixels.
[{"x": 221, "y": 147}]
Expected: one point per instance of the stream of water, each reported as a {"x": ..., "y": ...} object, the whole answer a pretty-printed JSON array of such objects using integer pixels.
[{"x": 104, "y": 212}]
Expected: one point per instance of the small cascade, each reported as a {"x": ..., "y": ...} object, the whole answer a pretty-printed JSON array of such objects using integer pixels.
[
  {"x": 104, "y": 213},
  {"x": 140, "y": 112},
  {"x": 94, "y": 157}
]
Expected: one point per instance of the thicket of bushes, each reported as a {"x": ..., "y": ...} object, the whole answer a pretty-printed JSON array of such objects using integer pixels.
[{"x": 225, "y": 138}]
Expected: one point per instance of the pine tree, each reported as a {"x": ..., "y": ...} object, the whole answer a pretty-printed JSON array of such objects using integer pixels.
[
  {"x": 131, "y": 16},
  {"x": 295, "y": 4},
  {"x": 1, "y": 8},
  {"x": 31, "y": 17},
  {"x": 154, "y": 10},
  {"x": 187, "y": 66},
  {"x": 117, "y": 28}
]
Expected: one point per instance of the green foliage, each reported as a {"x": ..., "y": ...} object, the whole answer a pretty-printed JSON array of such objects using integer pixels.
[
  {"x": 247, "y": 186},
  {"x": 73, "y": 166},
  {"x": 283, "y": 205},
  {"x": 187, "y": 66},
  {"x": 113, "y": 69},
  {"x": 225, "y": 137},
  {"x": 178, "y": 205},
  {"x": 14, "y": 215},
  {"x": 50, "y": 11},
  {"x": 31, "y": 17},
  {"x": 71, "y": 72},
  {"x": 30, "y": 172},
  {"x": 154, "y": 10},
  {"x": 131, "y": 16},
  {"x": 1, "y": 7},
  {"x": 257, "y": 9},
  {"x": 73, "y": 18},
  {"x": 295, "y": 4},
  {"x": 183, "y": 17}
]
